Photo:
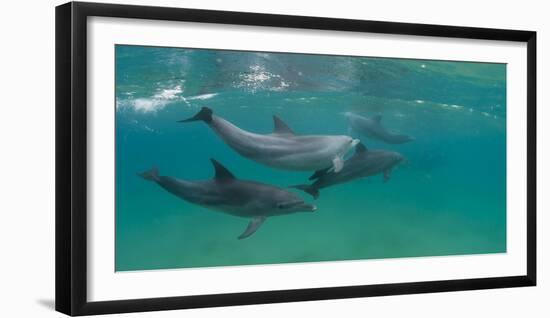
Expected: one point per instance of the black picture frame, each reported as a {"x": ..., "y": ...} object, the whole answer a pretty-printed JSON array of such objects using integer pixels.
[{"x": 71, "y": 157}]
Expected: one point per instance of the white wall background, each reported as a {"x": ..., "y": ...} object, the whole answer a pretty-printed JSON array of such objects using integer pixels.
[{"x": 27, "y": 158}]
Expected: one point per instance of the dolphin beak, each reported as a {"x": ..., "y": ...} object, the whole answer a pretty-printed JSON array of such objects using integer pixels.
[
  {"x": 310, "y": 207},
  {"x": 355, "y": 142}
]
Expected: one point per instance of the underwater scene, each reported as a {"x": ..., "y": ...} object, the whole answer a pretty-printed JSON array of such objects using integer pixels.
[{"x": 228, "y": 158}]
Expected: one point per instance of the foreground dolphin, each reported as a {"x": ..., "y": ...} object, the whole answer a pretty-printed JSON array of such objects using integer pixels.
[
  {"x": 362, "y": 164},
  {"x": 227, "y": 194},
  {"x": 282, "y": 149},
  {"x": 372, "y": 127}
]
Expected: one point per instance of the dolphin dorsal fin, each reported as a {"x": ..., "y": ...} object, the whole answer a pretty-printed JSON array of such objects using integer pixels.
[
  {"x": 360, "y": 148},
  {"x": 377, "y": 118},
  {"x": 221, "y": 172},
  {"x": 280, "y": 128}
]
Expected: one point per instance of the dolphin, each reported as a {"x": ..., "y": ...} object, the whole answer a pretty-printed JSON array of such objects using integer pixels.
[
  {"x": 372, "y": 127},
  {"x": 363, "y": 163},
  {"x": 225, "y": 193},
  {"x": 282, "y": 149}
]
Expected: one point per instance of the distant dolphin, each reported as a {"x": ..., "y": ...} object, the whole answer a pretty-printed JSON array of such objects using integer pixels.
[
  {"x": 282, "y": 149},
  {"x": 362, "y": 164},
  {"x": 227, "y": 194},
  {"x": 372, "y": 127}
]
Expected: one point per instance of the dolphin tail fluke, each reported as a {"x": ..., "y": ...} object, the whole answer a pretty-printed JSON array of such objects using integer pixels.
[
  {"x": 151, "y": 175},
  {"x": 205, "y": 114},
  {"x": 313, "y": 191}
]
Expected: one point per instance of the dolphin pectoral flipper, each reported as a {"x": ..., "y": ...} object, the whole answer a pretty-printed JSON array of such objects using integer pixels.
[
  {"x": 253, "y": 226},
  {"x": 360, "y": 148},
  {"x": 312, "y": 190},
  {"x": 337, "y": 164}
]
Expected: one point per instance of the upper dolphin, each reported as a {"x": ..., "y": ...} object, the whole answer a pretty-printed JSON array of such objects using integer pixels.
[
  {"x": 281, "y": 149},
  {"x": 225, "y": 193},
  {"x": 372, "y": 127},
  {"x": 363, "y": 163}
]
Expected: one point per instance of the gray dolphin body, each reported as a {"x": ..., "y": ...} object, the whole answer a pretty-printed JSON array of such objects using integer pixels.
[
  {"x": 372, "y": 127},
  {"x": 225, "y": 193},
  {"x": 282, "y": 149},
  {"x": 363, "y": 163}
]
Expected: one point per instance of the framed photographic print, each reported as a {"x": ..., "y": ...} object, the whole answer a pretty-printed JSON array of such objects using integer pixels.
[{"x": 208, "y": 158}]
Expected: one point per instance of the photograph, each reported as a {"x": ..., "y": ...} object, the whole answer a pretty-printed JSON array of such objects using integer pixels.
[
  {"x": 223, "y": 156},
  {"x": 245, "y": 159},
  {"x": 239, "y": 158}
]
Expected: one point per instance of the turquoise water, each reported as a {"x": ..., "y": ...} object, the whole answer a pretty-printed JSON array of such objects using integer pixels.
[{"x": 448, "y": 199}]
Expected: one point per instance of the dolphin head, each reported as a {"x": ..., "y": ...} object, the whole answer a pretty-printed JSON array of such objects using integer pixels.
[
  {"x": 285, "y": 202},
  {"x": 346, "y": 114},
  {"x": 346, "y": 143},
  {"x": 349, "y": 116},
  {"x": 397, "y": 138},
  {"x": 295, "y": 206},
  {"x": 395, "y": 158}
]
